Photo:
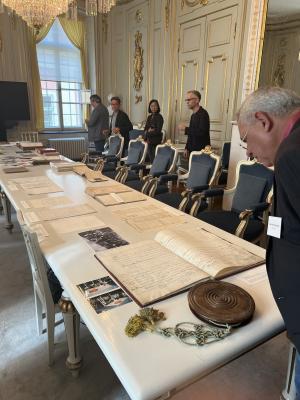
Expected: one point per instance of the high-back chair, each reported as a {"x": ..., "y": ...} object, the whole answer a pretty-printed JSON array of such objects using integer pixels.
[
  {"x": 223, "y": 173},
  {"x": 30, "y": 137},
  {"x": 110, "y": 157},
  {"x": 250, "y": 206},
  {"x": 136, "y": 133},
  {"x": 137, "y": 150},
  {"x": 164, "y": 163},
  {"x": 44, "y": 305},
  {"x": 201, "y": 175}
]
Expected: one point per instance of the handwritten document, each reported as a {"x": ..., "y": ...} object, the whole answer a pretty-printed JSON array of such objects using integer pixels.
[
  {"x": 58, "y": 213},
  {"x": 119, "y": 198},
  {"x": 149, "y": 271},
  {"x": 100, "y": 190},
  {"x": 76, "y": 224}
]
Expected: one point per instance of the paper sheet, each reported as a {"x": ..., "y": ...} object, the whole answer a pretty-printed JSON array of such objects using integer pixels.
[
  {"x": 76, "y": 224},
  {"x": 119, "y": 198},
  {"x": 100, "y": 190},
  {"x": 49, "y": 202},
  {"x": 58, "y": 213}
]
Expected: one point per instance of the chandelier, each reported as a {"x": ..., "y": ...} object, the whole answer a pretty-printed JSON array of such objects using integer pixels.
[{"x": 39, "y": 13}]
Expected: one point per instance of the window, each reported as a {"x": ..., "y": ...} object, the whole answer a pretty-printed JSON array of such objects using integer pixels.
[{"x": 61, "y": 80}]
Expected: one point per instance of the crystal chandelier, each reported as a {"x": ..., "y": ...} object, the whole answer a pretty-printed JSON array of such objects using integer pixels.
[
  {"x": 39, "y": 13},
  {"x": 99, "y": 6}
]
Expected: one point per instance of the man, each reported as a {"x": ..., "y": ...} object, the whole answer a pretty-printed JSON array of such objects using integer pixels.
[
  {"x": 98, "y": 123},
  {"x": 198, "y": 131},
  {"x": 119, "y": 121},
  {"x": 269, "y": 124}
]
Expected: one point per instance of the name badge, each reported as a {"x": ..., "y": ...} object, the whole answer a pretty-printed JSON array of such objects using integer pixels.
[{"x": 274, "y": 227}]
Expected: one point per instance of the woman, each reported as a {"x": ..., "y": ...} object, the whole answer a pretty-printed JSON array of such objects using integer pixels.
[{"x": 154, "y": 124}]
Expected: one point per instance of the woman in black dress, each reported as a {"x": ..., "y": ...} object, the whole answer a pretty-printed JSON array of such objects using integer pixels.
[{"x": 154, "y": 124}]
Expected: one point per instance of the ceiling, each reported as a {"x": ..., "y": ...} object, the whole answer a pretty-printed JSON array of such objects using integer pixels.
[{"x": 278, "y": 8}]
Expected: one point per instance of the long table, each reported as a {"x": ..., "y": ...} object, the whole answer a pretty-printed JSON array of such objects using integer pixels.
[{"x": 149, "y": 366}]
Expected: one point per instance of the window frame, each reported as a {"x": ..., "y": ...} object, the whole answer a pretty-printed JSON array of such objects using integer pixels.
[{"x": 60, "y": 103}]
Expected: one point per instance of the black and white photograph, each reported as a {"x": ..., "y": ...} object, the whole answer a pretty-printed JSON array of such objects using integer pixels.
[
  {"x": 109, "y": 300},
  {"x": 97, "y": 286},
  {"x": 102, "y": 239}
]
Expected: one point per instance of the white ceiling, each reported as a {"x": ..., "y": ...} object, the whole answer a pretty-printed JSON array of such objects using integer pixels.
[{"x": 283, "y": 8}]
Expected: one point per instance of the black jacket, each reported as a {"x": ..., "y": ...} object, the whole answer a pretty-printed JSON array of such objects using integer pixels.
[
  {"x": 156, "y": 122},
  {"x": 124, "y": 124},
  {"x": 283, "y": 255},
  {"x": 198, "y": 131}
]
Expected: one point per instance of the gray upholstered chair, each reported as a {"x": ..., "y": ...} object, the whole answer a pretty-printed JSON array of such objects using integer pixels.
[
  {"x": 135, "y": 133},
  {"x": 203, "y": 168},
  {"x": 137, "y": 150},
  {"x": 223, "y": 172},
  {"x": 109, "y": 158},
  {"x": 164, "y": 163},
  {"x": 250, "y": 205}
]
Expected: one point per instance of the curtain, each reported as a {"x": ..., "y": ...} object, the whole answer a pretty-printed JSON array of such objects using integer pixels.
[
  {"x": 33, "y": 39},
  {"x": 75, "y": 30}
]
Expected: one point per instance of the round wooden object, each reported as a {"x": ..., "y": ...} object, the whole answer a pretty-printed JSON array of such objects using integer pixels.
[{"x": 221, "y": 303}]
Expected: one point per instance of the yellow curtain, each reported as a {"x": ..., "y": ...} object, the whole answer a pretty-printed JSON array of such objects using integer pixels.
[
  {"x": 75, "y": 30},
  {"x": 33, "y": 40}
]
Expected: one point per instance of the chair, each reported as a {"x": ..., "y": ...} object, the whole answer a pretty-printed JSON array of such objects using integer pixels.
[
  {"x": 223, "y": 173},
  {"x": 30, "y": 137},
  {"x": 135, "y": 133},
  {"x": 108, "y": 160},
  {"x": 44, "y": 305},
  {"x": 203, "y": 168},
  {"x": 250, "y": 206},
  {"x": 137, "y": 150},
  {"x": 163, "y": 163},
  {"x": 164, "y": 134}
]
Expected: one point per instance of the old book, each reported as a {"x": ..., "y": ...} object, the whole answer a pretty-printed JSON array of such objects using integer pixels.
[
  {"x": 120, "y": 198},
  {"x": 100, "y": 190},
  {"x": 153, "y": 270},
  {"x": 14, "y": 170}
]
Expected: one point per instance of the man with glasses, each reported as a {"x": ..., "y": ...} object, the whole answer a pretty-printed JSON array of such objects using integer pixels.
[
  {"x": 269, "y": 124},
  {"x": 198, "y": 131}
]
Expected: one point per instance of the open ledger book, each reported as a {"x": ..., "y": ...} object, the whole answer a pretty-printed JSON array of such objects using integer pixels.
[{"x": 175, "y": 260}]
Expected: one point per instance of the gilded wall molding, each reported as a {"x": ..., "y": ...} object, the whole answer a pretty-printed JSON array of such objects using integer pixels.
[
  {"x": 138, "y": 63},
  {"x": 254, "y": 46},
  {"x": 193, "y": 3},
  {"x": 104, "y": 27},
  {"x": 167, "y": 14}
]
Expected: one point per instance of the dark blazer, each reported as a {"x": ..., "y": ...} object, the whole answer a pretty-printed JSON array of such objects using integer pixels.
[
  {"x": 124, "y": 124},
  {"x": 155, "y": 121},
  {"x": 283, "y": 255},
  {"x": 198, "y": 131},
  {"x": 98, "y": 122}
]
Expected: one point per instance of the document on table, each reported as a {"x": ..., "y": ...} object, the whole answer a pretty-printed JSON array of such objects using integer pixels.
[
  {"x": 44, "y": 189},
  {"x": 58, "y": 213},
  {"x": 100, "y": 190},
  {"x": 76, "y": 224},
  {"x": 120, "y": 198},
  {"x": 47, "y": 202},
  {"x": 152, "y": 218}
]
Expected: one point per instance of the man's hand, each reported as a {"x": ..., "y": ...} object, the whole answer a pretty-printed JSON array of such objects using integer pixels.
[
  {"x": 116, "y": 130},
  {"x": 86, "y": 121},
  {"x": 186, "y": 153}
]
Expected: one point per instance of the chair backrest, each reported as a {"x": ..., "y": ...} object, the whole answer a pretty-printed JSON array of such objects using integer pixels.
[
  {"x": 165, "y": 159},
  {"x": 225, "y": 155},
  {"x": 203, "y": 167},
  {"x": 164, "y": 134},
  {"x": 137, "y": 150},
  {"x": 115, "y": 145},
  {"x": 254, "y": 183},
  {"x": 135, "y": 133},
  {"x": 38, "y": 266},
  {"x": 30, "y": 137}
]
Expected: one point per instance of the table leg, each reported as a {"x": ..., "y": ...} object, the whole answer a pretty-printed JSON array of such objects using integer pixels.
[
  {"x": 6, "y": 210},
  {"x": 72, "y": 322}
]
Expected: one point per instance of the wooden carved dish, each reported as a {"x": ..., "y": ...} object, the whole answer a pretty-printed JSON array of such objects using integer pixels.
[{"x": 221, "y": 303}]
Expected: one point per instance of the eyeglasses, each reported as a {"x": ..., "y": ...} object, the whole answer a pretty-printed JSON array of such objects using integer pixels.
[
  {"x": 192, "y": 98},
  {"x": 243, "y": 140}
]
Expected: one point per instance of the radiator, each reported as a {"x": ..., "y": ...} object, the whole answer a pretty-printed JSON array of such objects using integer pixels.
[{"x": 69, "y": 147}]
